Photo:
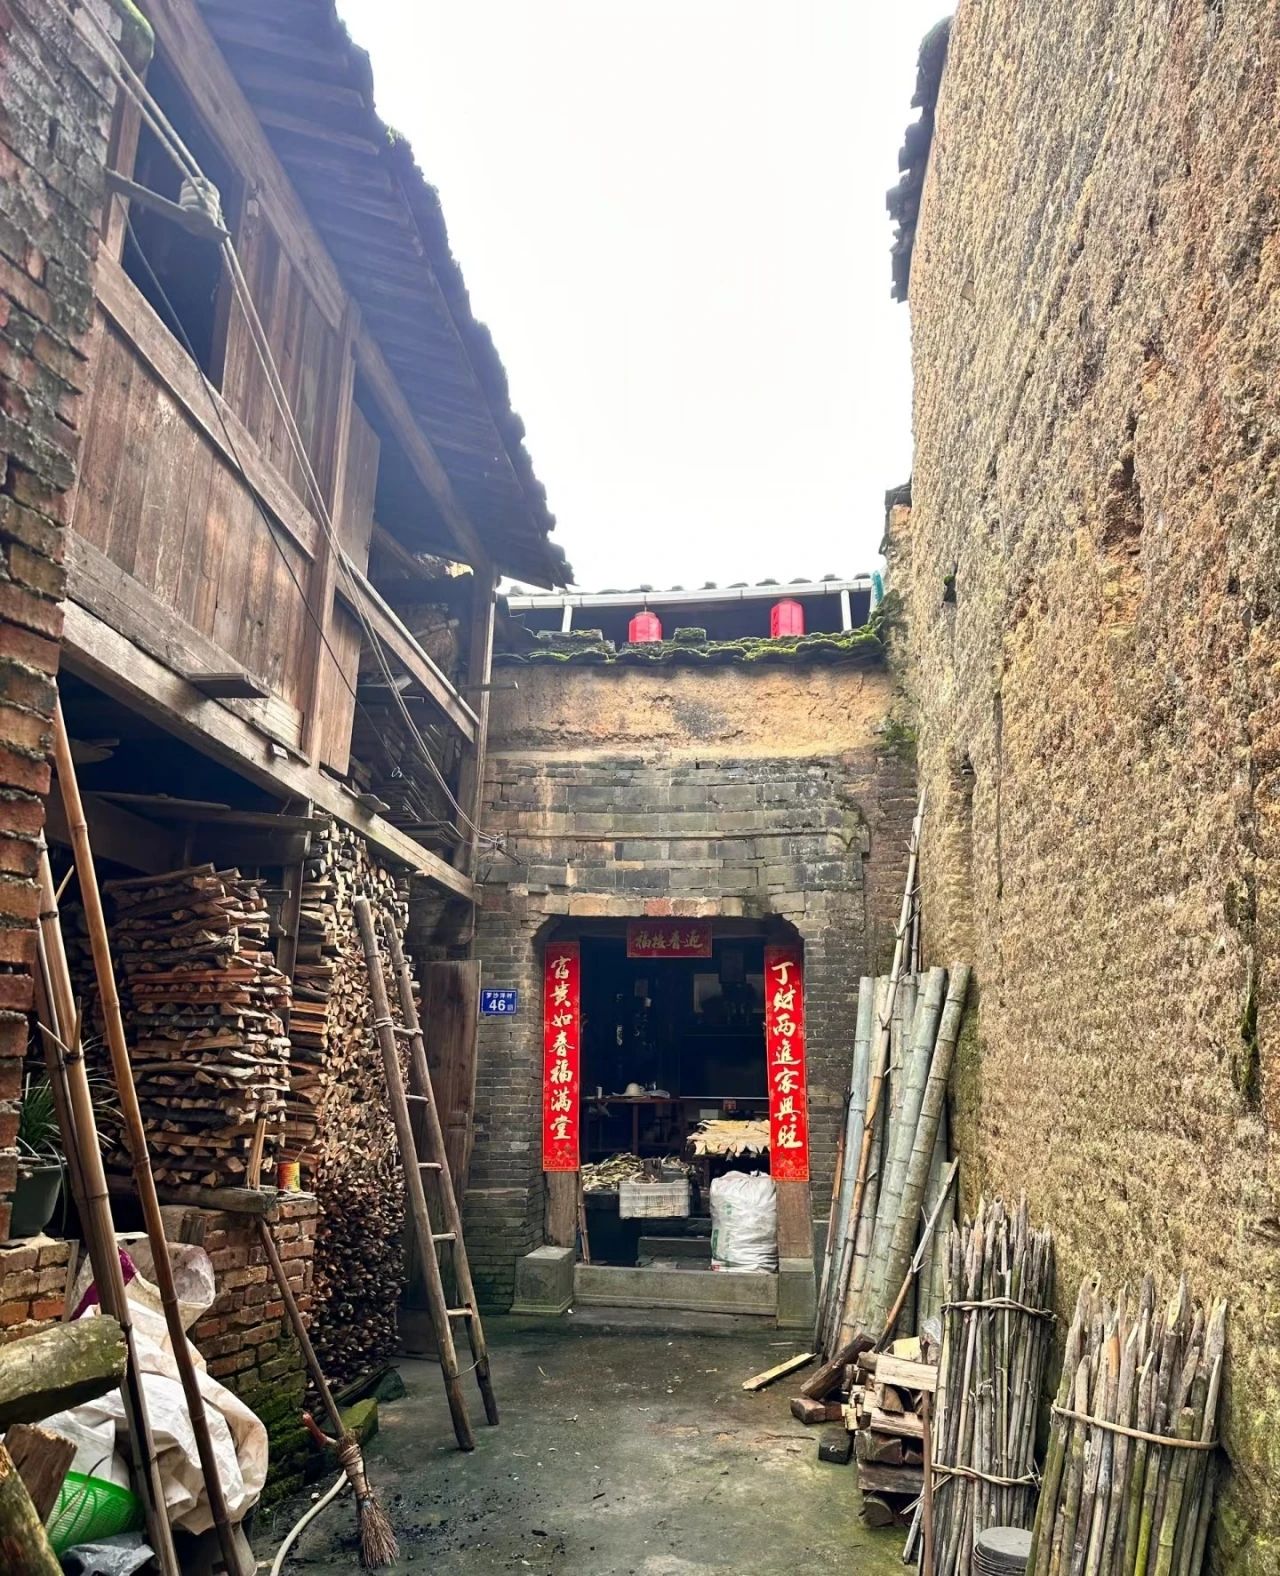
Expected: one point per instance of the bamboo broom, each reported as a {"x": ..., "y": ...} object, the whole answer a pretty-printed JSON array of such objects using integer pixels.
[
  {"x": 378, "y": 1547},
  {"x": 137, "y": 1139}
]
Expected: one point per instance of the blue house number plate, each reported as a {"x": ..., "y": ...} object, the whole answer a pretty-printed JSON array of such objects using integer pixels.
[{"x": 499, "y": 1003}]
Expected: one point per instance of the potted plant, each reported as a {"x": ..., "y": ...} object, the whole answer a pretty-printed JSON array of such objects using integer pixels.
[{"x": 40, "y": 1160}]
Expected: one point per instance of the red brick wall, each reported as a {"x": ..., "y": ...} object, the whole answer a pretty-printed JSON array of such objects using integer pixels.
[
  {"x": 33, "y": 1283},
  {"x": 55, "y": 114}
]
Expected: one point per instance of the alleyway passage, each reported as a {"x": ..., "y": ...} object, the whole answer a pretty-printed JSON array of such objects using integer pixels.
[{"x": 624, "y": 1450}]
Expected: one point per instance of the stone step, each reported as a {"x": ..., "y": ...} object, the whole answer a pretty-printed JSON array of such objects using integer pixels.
[{"x": 705, "y": 1291}]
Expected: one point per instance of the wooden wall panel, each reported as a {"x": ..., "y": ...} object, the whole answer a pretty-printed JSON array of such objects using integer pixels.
[
  {"x": 354, "y": 528},
  {"x": 164, "y": 507}
]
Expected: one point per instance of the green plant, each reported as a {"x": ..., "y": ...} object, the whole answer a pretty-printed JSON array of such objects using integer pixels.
[{"x": 39, "y": 1138}]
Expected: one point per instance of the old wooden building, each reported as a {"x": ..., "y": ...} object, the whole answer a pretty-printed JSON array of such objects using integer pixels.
[{"x": 270, "y": 471}]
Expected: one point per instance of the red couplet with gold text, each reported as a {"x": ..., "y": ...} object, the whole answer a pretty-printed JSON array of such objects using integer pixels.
[
  {"x": 784, "y": 1053},
  {"x": 561, "y": 1044}
]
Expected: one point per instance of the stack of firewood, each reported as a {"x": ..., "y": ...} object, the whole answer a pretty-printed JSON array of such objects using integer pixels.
[
  {"x": 338, "y": 1123},
  {"x": 203, "y": 999},
  {"x": 885, "y": 1414}
]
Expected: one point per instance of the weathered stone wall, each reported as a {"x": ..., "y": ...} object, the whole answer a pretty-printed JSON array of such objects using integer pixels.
[
  {"x": 55, "y": 113},
  {"x": 1091, "y": 574},
  {"x": 632, "y": 792}
]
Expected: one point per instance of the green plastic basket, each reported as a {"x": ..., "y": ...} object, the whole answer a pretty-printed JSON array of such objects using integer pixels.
[{"x": 89, "y": 1508}]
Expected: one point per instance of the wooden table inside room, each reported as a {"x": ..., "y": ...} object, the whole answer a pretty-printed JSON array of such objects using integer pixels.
[{"x": 636, "y": 1101}]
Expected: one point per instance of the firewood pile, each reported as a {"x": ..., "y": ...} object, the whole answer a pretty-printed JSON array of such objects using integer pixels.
[
  {"x": 338, "y": 1122},
  {"x": 203, "y": 1000},
  {"x": 885, "y": 1414}
]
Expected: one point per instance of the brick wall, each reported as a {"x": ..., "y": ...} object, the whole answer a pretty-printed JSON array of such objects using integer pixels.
[
  {"x": 1095, "y": 300},
  {"x": 55, "y": 110},
  {"x": 764, "y": 796},
  {"x": 245, "y": 1337},
  {"x": 33, "y": 1283}
]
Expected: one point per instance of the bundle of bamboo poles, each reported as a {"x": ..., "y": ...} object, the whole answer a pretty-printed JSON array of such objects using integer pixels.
[
  {"x": 997, "y": 1333},
  {"x": 1129, "y": 1478},
  {"x": 879, "y": 1274}
]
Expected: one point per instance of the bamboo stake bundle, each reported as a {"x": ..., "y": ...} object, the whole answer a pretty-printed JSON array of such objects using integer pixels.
[
  {"x": 997, "y": 1332},
  {"x": 1129, "y": 1478}
]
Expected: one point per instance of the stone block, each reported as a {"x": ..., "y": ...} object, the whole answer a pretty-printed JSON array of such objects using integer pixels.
[
  {"x": 544, "y": 1281},
  {"x": 797, "y": 1294}
]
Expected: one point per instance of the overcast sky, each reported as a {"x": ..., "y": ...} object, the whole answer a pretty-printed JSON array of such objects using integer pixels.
[{"x": 671, "y": 215}]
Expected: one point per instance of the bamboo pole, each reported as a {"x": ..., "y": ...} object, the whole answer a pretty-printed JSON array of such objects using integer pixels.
[
  {"x": 60, "y": 1028},
  {"x": 919, "y": 1157},
  {"x": 880, "y": 1052},
  {"x": 137, "y": 1140},
  {"x": 841, "y": 1229}
]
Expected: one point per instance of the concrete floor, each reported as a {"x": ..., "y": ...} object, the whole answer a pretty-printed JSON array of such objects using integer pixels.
[{"x": 625, "y": 1449}]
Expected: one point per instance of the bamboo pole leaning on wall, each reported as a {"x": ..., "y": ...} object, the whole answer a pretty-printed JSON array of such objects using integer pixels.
[
  {"x": 135, "y": 1132},
  {"x": 60, "y": 1028}
]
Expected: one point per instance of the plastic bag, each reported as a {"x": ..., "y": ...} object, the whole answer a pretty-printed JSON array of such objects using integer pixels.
[
  {"x": 744, "y": 1222},
  {"x": 120, "y": 1556}
]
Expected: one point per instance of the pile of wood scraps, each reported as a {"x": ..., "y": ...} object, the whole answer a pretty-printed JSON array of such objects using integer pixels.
[
  {"x": 204, "y": 1003},
  {"x": 339, "y": 1123},
  {"x": 886, "y": 1413}
]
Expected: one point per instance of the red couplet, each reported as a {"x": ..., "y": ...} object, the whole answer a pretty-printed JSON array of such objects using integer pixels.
[
  {"x": 785, "y": 1056},
  {"x": 561, "y": 1070}
]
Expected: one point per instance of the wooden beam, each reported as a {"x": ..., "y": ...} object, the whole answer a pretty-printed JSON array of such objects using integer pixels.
[
  {"x": 479, "y": 674},
  {"x": 418, "y": 450},
  {"x": 117, "y": 835},
  {"x": 134, "y": 318},
  {"x": 59, "y": 1368},
  {"x": 317, "y": 647},
  {"x": 401, "y": 644},
  {"x": 403, "y": 557},
  {"x": 562, "y": 1207},
  {"x": 95, "y": 651}
]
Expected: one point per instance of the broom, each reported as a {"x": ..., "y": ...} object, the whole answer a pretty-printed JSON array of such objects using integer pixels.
[{"x": 378, "y": 1547}]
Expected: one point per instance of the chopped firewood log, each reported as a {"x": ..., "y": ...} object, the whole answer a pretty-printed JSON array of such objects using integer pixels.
[
  {"x": 806, "y": 1411},
  {"x": 899, "y": 1371},
  {"x": 906, "y": 1425},
  {"x": 887, "y": 1399},
  {"x": 874, "y": 1478},
  {"x": 42, "y": 1459},
  {"x": 882, "y": 1449},
  {"x": 878, "y": 1512}
]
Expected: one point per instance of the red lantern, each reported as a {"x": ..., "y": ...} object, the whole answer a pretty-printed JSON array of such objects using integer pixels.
[
  {"x": 786, "y": 618},
  {"x": 644, "y": 627}
]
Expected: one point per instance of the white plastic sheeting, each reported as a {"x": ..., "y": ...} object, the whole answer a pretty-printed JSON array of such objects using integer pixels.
[{"x": 239, "y": 1438}]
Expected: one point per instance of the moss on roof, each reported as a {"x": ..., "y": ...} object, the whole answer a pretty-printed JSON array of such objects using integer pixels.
[{"x": 588, "y": 647}]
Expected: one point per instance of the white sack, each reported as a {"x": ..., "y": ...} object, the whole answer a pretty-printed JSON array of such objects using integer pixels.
[{"x": 744, "y": 1222}]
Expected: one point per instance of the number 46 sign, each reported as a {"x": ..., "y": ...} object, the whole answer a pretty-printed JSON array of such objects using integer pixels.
[{"x": 498, "y": 1003}]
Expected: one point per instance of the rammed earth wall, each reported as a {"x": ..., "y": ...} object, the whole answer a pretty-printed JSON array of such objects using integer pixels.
[
  {"x": 1091, "y": 572},
  {"x": 729, "y": 792}
]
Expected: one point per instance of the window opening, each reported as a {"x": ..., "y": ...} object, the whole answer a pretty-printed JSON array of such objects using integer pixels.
[{"x": 188, "y": 267}]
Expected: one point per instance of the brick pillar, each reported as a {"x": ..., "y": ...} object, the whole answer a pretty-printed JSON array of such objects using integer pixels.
[{"x": 55, "y": 119}]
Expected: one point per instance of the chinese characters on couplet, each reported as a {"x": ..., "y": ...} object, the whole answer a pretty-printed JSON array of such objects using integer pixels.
[
  {"x": 660, "y": 938},
  {"x": 560, "y": 1060},
  {"x": 785, "y": 1060}
]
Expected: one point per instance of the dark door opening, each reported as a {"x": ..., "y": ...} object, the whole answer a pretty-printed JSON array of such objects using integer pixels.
[{"x": 667, "y": 1043}]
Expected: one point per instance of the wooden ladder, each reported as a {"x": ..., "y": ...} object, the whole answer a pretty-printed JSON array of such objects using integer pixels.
[{"x": 442, "y": 1315}]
